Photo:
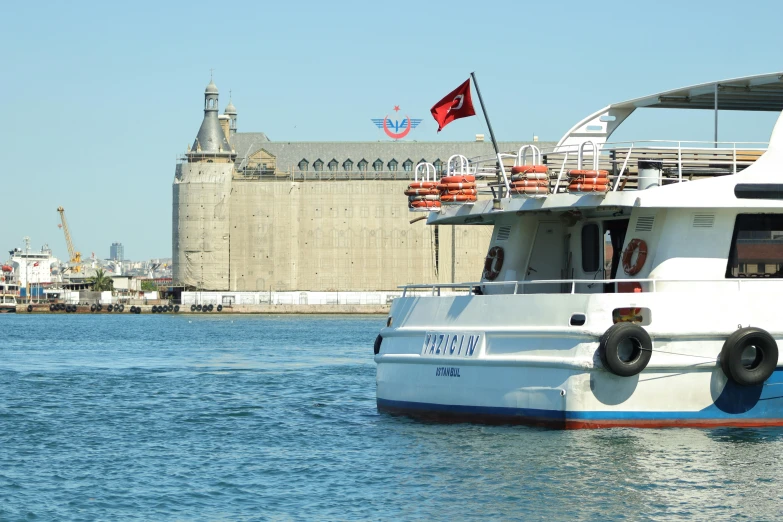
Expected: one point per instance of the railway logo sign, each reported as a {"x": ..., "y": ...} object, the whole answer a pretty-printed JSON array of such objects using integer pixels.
[{"x": 396, "y": 129}]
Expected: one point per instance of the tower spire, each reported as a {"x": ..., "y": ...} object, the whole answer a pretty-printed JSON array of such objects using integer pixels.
[{"x": 211, "y": 139}]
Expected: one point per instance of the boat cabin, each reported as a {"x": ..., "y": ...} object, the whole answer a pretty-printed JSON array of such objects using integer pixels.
[{"x": 591, "y": 216}]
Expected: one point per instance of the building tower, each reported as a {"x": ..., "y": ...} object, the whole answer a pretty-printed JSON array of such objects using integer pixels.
[
  {"x": 201, "y": 192},
  {"x": 231, "y": 112},
  {"x": 116, "y": 252}
]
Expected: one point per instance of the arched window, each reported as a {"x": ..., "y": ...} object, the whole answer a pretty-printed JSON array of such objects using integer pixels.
[
  {"x": 333, "y": 165},
  {"x": 377, "y": 165},
  {"x": 303, "y": 164},
  {"x": 407, "y": 165},
  {"x": 362, "y": 164},
  {"x": 318, "y": 165},
  {"x": 438, "y": 165},
  {"x": 347, "y": 165},
  {"x": 392, "y": 165}
]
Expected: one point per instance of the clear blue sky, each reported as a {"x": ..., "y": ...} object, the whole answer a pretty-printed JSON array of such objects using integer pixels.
[{"x": 98, "y": 99}]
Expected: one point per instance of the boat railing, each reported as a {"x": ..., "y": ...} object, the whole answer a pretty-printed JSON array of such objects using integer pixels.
[
  {"x": 572, "y": 286},
  {"x": 672, "y": 162}
]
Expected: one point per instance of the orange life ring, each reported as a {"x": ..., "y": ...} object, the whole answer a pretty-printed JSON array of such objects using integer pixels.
[
  {"x": 592, "y": 174},
  {"x": 541, "y": 189},
  {"x": 633, "y": 246},
  {"x": 493, "y": 263},
  {"x": 463, "y": 192},
  {"x": 457, "y": 198},
  {"x": 587, "y": 187},
  {"x": 589, "y": 181},
  {"x": 424, "y": 204},
  {"x": 458, "y": 179},
  {"x": 423, "y": 184},
  {"x": 529, "y": 183},
  {"x": 529, "y": 169},
  {"x": 529, "y": 177},
  {"x": 429, "y": 197},
  {"x": 456, "y": 186},
  {"x": 420, "y": 192}
]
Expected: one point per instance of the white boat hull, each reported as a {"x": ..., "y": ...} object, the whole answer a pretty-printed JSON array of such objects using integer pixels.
[{"x": 519, "y": 376}]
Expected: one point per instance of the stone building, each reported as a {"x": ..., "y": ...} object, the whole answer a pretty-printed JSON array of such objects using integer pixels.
[{"x": 251, "y": 214}]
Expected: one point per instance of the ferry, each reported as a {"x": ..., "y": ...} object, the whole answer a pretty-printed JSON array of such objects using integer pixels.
[
  {"x": 8, "y": 290},
  {"x": 7, "y": 303},
  {"x": 626, "y": 284}
]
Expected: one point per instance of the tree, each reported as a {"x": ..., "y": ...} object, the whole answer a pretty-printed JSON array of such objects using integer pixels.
[
  {"x": 148, "y": 286},
  {"x": 100, "y": 282}
]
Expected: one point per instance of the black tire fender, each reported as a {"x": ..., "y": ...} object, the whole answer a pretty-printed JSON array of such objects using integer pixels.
[
  {"x": 122, "y": 308},
  {"x": 192, "y": 308},
  {"x": 176, "y": 308},
  {"x": 29, "y": 308},
  {"x": 625, "y": 349},
  {"x": 749, "y": 368},
  {"x": 110, "y": 308},
  {"x": 210, "y": 308},
  {"x": 220, "y": 308},
  {"x": 376, "y": 349},
  {"x": 198, "y": 307}
]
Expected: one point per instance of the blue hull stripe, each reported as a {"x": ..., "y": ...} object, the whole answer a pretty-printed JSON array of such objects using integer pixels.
[{"x": 709, "y": 413}]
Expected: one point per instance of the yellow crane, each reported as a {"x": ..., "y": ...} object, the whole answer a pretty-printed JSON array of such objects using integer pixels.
[{"x": 76, "y": 257}]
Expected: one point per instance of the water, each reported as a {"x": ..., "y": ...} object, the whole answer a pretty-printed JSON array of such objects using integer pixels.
[{"x": 157, "y": 417}]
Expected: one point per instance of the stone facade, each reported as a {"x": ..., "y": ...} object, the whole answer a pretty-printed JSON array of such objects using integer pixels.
[{"x": 258, "y": 215}]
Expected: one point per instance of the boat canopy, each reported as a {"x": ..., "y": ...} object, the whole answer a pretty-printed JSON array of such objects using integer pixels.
[{"x": 763, "y": 92}]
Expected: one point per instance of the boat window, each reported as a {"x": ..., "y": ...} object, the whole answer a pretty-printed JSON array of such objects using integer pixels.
[
  {"x": 756, "y": 246},
  {"x": 591, "y": 244}
]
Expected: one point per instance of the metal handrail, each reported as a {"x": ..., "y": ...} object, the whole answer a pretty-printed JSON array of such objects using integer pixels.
[
  {"x": 522, "y": 155},
  {"x": 429, "y": 172},
  {"x": 573, "y": 282}
]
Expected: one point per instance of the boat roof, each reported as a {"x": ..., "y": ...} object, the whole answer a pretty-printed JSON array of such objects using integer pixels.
[{"x": 761, "y": 92}]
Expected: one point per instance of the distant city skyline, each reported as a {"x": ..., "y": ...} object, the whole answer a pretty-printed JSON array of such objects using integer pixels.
[{"x": 102, "y": 99}]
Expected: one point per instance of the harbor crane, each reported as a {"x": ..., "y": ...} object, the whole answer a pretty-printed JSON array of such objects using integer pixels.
[{"x": 76, "y": 257}]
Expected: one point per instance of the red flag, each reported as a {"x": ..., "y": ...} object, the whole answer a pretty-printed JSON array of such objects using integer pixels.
[
  {"x": 36, "y": 263},
  {"x": 456, "y": 104}
]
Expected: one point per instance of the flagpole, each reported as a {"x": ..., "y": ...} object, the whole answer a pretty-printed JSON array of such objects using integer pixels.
[{"x": 484, "y": 110}]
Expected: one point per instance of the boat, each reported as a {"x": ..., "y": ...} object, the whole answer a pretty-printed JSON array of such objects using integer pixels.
[
  {"x": 7, "y": 303},
  {"x": 626, "y": 284}
]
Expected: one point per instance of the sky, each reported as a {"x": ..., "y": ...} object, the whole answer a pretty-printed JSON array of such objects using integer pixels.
[{"x": 100, "y": 98}]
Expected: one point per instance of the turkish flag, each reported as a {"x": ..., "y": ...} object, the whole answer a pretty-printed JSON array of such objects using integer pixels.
[{"x": 456, "y": 104}]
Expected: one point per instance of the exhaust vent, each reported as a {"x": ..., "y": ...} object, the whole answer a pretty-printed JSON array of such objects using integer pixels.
[
  {"x": 703, "y": 220},
  {"x": 503, "y": 233},
  {"x": 644, "y": 223}
]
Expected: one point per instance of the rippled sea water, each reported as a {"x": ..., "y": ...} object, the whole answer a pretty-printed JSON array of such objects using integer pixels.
[{"x": 220, "y": 417}]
